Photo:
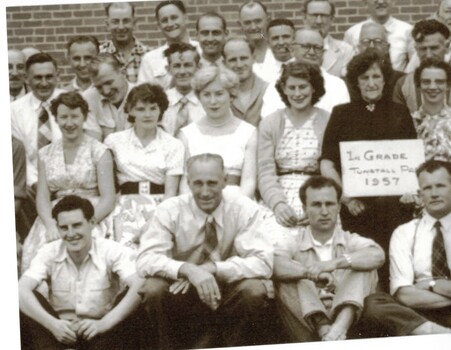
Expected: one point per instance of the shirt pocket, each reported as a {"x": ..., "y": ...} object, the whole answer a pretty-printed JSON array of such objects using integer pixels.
[
  {"x": 101, "y": 294},
  {"x": 61, "y": 297}
]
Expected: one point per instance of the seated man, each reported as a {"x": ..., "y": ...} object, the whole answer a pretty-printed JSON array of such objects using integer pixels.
[
  {"x": 205, "y": 263},
  {"x": 420, "y": 263},
  {"x": 81, "y": 274},
  {"x": 323, "y": 274}
]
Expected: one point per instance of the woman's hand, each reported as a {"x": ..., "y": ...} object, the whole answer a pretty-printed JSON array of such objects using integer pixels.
[
  {"x": 410, "y": 198},
  {"x": 355, "y": 206},
  {"x": 285, "y": 215}
]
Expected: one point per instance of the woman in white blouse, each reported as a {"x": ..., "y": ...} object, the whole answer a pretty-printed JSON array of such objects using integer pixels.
[
  {"x": 221, "y": 132},
  {"x": 149, "y": 161}
]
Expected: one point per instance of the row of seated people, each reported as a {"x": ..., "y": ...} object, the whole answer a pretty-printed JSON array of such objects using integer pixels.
[{"x": 207, "y": 274}]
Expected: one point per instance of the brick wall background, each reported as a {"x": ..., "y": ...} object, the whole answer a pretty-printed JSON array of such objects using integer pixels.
[{"x": 48, "y": 27}]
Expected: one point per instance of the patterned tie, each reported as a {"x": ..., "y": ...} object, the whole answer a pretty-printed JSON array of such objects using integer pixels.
[
  {"x": 182, "y": 115},
  {"x": 439, "y": 262},
  {"x": 211, "y": 239},
  {"x": 44, "y": 131}
]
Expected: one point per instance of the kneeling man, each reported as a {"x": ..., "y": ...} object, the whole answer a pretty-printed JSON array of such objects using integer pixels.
[
  {"x": 80, "y": 271},
  {"x": 323, "y": 273},
  {"x": 207, "y": 265},
  {"x": 420, "y": 262}
]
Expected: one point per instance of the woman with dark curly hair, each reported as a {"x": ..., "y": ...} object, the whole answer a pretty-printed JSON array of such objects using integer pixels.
[
  {"x": 76, "y": 164},
  {"x": 149, "y": 162},
  {"x": 372, "y": 117},
  {"x": 289, "y": 142}
]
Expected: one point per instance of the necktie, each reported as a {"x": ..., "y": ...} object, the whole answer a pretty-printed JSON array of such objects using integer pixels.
[
  {"x": 211, "y": 239},
  {"x": 182, "y": 115},
  {"x": 44, "y": 132},
  {"x": 439, "y": 262}
]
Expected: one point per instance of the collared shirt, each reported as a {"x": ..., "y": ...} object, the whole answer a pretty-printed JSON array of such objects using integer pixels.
[
  {"x": 153, "y": 66},
  {"x": 103, "y": 113},
  {"x": 270, "y": 69},
  {"x": 22, "y": 93},
  {"x": 336, "y": 94},
  {"x": 131, "y": 67},
  {"x": 24, "y": 127},
  {"x": 135, "y": 162},
  {"x": 411, "y": 250},
  {"x": 73, "y": 86},
  {"x": 87, "y": 292},
  {"x": 399, "y": 37},
  {"x": 252, "y": 112},
  {"x": 194, "y": 108},
  {"x": 337, "y": 55},
  {"x": 175, "y": 236}
]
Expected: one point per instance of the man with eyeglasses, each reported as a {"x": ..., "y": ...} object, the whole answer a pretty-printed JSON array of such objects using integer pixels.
[
  {"x": 123, "y": 45},
  {"x": 308, "y": 47},
  {"x": 431, "y": 41},
  {"x": 319, "y": 15},
  {"x": 398, "y": 32}
]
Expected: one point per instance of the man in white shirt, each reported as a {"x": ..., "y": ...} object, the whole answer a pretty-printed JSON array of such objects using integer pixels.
[
  {"x": 80, "y": 52},
  {"x": 107, "y": 97},
  {"x": 280, "y": 35},
  {"x": 184, "y": 106},
  {"x": 319, "y": 15},
  {"x": 401, "y": 48},
  {"x": 212, "y": 32},
  {"x": 31, "y": 120},
  {"x": 323, "y": 273},
  {"x": 206, "y": 264},
  {"x": 253, "y": 20},
  {"x": 172, "y": 19},
  {"x": 16, "y": 67},
  {"x": 248, "y": 103},
  {"x": 420, "y": 263},
  {"x": 308, "y": 47}
]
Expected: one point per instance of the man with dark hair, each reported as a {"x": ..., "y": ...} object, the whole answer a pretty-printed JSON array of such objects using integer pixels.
[
  {"x": 238, "y": 57},
  {"x": 184, "y": 106},
  {"x": 172, "y": 20},
  {"x": 323, "y": 273},
  {"x": 82, "y": 274},
  {"x": 398, "y": 32},
  {"x": 420, "y": 263},
  {"x": 280, "y": 35},
  {"x": 123, "y": 45},
  {"x": 212, "y": 32},
  {"x": 107, "y": 96},
  {"x": 206, "y": 264},
  {"x": 431, "y": 40},
  {"x": 80, "y": 52},
  {"x": 319, "y": 14},
  {"x": 17, "y": 74}
]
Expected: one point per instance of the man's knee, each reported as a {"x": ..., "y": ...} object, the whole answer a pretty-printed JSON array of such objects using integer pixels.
[
  {"x": 154, "y": 290},
  {"x": 375, "y": 303},
  {"x": 252, "y": 292}
]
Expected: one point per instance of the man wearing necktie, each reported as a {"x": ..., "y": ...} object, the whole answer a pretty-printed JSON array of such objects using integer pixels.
[
  {"x": 420, "y": 261},
  {"x": 206, "y": 264}
]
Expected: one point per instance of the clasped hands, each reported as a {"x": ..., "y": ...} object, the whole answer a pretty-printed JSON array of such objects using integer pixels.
[
  {"x": 67, "y": 332},
  {"x": 203, "y": 279},
  {"x": 286, "y": 216},
  {"x": 321, "y": 274}
]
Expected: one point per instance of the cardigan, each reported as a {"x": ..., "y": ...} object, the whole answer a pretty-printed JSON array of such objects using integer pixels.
[{"x": 270, "y": 132}]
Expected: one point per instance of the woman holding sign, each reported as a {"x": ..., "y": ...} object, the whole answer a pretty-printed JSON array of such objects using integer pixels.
[{"x": 372, "y": 117}]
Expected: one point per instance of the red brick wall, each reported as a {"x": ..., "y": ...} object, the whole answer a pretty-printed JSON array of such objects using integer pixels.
[{"x": 49, "y": 27}]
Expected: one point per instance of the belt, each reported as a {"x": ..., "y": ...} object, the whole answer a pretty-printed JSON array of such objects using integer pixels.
[
  {"x": 142, "y": 187},
  {"x": 299, "y": 172}
]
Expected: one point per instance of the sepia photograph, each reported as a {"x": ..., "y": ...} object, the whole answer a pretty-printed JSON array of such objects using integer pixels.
[{"x": 196, "y": 174}]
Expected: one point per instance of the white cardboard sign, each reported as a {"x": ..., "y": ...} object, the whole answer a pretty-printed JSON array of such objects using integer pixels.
[{"x": 380, "y": 168}]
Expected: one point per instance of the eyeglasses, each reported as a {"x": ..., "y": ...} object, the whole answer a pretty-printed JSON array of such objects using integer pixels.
[
  {"x": 308, "y": 47},
  {"x": 374, "y": 42}
]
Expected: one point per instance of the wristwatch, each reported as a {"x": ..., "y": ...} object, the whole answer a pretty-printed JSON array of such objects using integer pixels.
[{"x": 431, "y": 285}]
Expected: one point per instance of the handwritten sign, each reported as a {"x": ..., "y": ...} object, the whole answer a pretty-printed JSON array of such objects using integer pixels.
[{"x": 380, "y": 168}]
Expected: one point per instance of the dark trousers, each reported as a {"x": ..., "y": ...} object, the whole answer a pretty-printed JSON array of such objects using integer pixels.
[
  {"x": 380, "y": 218},
  {"x": 184, "y": 321},
  {"x": 129, "y": 334},
  {"x": 389, "y": 316}
]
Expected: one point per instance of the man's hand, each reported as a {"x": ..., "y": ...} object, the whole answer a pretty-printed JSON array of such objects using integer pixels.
[
  {"x": 285, "y": 215},
  {"x": 355, "y": 206},
  {"x": 326, "y": 281},
  {"x": 62, "y": 331},
  {"x": 52, "y": 234},
  {"x": 179, "y": 286},
  {"x": 88, "y": 328},
  {"x": 317, "y": 268},
  {"x": 423, "y": 284},
  {"x": 204, "y": 282}
]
